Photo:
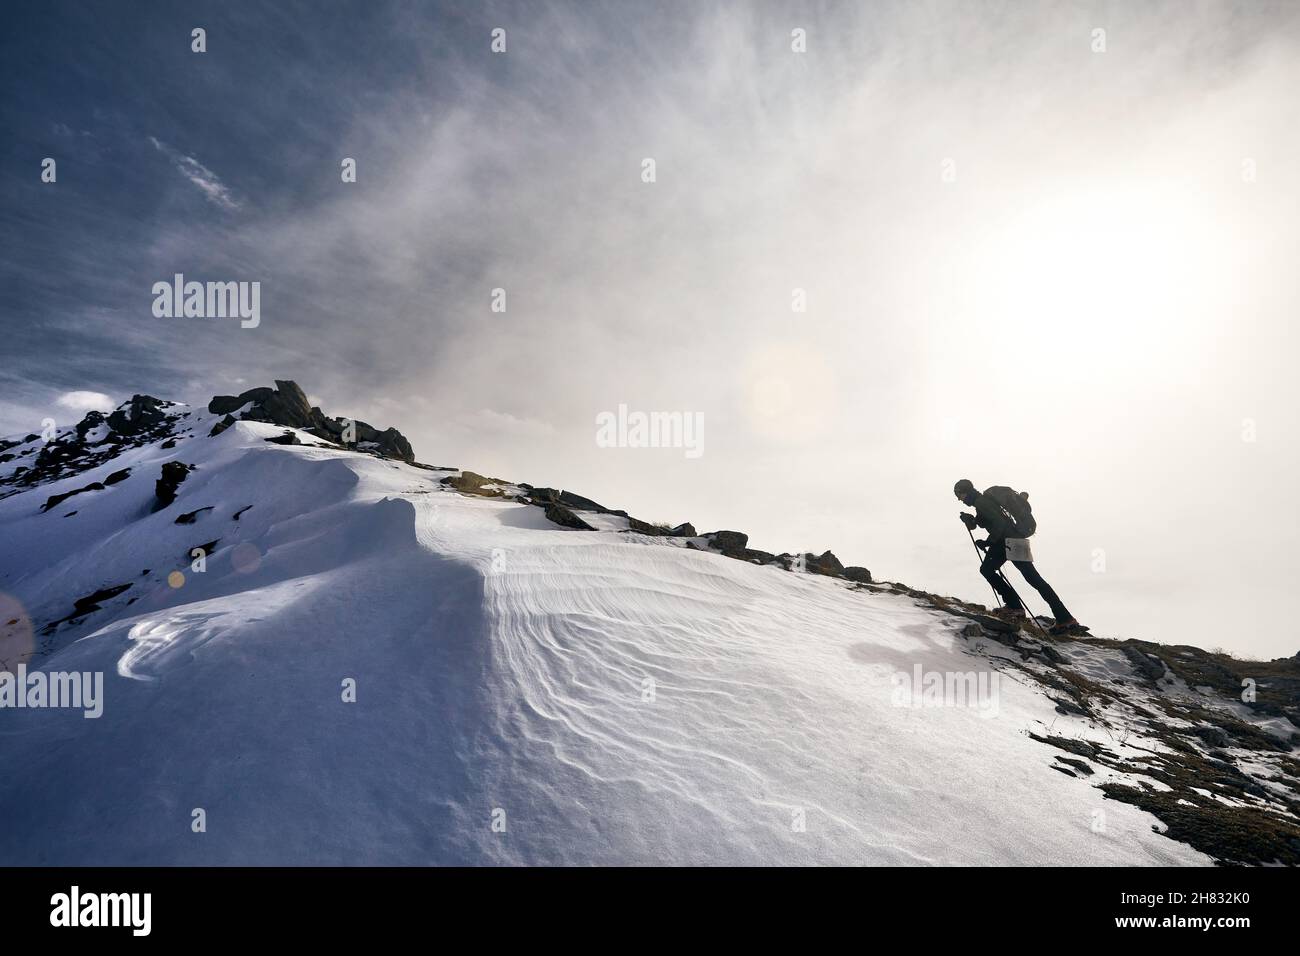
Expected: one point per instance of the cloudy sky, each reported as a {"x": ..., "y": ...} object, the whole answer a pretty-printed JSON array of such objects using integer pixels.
[{"x": 1032, "y": 252}]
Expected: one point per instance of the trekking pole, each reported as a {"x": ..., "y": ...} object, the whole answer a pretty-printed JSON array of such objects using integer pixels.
[
  {"x": 996, "y": 596},
  {"x": 1002, "y": 575},
  {"x": 1033, "y": 618}
]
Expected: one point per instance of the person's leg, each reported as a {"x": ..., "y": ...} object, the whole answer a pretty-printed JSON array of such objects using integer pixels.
[
  {"x": 994, "y": 558},
  {"x": 1030, "y": 574}
]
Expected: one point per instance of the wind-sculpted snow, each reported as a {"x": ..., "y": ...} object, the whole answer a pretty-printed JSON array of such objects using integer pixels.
[{"x": 524, "y": 693}]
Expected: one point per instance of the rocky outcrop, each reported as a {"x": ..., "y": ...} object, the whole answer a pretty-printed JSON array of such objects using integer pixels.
[
  {"x": 472, "y": 483},
  {"x": 287, "y": 405},
  {"x": 566, "y": 518},
  {"x": 566, "y": 498},
  {"x": 141, "y": 415},
  {"x": 1148, "y": 665},
  {"x": 825, "y": 563},
  {"x": 728, "y": 540},
  {"x": 173, "y": 473},
  {"x": 94, "y": 440},
  {"x": 57, "y": 499}
]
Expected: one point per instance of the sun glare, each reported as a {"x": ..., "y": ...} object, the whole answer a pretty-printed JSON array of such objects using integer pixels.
[{"x": 1103, "y": 279}]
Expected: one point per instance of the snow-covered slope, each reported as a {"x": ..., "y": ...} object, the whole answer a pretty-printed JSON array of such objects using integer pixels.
[{"x": 524, "y": 693}]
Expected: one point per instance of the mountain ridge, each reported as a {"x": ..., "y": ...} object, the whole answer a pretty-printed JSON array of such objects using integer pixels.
[{"x": 278, "y": 510}]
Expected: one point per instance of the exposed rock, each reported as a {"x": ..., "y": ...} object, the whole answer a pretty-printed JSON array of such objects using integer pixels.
[
  {"x": 472, "y": 483},
  {"x": 855, "y": 573},
  {"x": 390, "y": 442},
  {"x": 683, "y": 530},
  {"x": 568, "y": 499},
  {"x": 92, "y": 420},
  {"x": 117, "y": 476},
  {"x": 207, "y": 548},
  {"x": 287, "y": 405},
  {"x": 85, "y": 605},
  {"x": 566, "y": 518},
  {"x": 825, "y": 563},
  {"x": 140, "y": 415},
  {"x": 1214, "y": 736},
  {"x": 752, "y": 555},
  {"x": 1051, "y": 655},
  {"x": 190, "y": 516},
  {"x": 1148, "y": 665},
  {"x": 728, "y": 540},
  {"x": 1080, "y": 765},
  {"x": 1067, "y": 707},
  {"x": 288, "y": 438},
  {"x": 225, "y": 404},
  {"x": 972, "y": 629},
  {"x": 240, "y": 512},
  {"x": 173, "y": 473},
  {"x": 221, "y": 426},
  {"x": 55, "y": 499},
  {"x": 645, "y": 527}
]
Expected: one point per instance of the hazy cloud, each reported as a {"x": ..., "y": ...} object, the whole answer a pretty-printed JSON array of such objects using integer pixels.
[
  {"x": 82, "y": 402},
  {"x": 205, "y": 179}
]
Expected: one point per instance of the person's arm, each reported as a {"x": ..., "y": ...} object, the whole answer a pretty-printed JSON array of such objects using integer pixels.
[{"x": 990, "y": 517}]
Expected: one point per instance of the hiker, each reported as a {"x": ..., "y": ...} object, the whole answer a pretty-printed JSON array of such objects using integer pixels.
[{"x": 1005, "y": 514}]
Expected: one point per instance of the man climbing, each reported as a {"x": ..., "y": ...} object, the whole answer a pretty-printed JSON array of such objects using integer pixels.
[{"x": 1006, "y": 516}]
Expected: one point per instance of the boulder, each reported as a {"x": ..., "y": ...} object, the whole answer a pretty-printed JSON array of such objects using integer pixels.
[
  {"x": 684, "y": 530},
  {"x": 393, "y": 444},
  {"x": 855, "y": 573},
  {"x": 728, "y": 540},
  {"x": 566, "y": 498},
  {"x": 566, "y": 518},
  {"x": 471, "y": 483},
  {"x": 752, "y": 555},
  {"x": 1148, "y": 665},
  {"x": 286, "y": 405},
  {"x": 826, "y": 563}
]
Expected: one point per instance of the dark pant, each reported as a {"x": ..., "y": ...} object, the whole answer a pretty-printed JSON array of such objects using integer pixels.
[{"x": 995, "y": 557}]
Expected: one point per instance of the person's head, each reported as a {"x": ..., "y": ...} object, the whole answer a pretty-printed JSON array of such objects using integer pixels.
[{"x": 965, "y": 491}]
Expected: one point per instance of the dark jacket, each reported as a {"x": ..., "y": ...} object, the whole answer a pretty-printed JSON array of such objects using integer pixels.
[{"x": 990, "y": 516}]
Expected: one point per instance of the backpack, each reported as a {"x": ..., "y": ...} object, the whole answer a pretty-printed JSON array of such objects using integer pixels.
[{"x": 1016, "y": 505}]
